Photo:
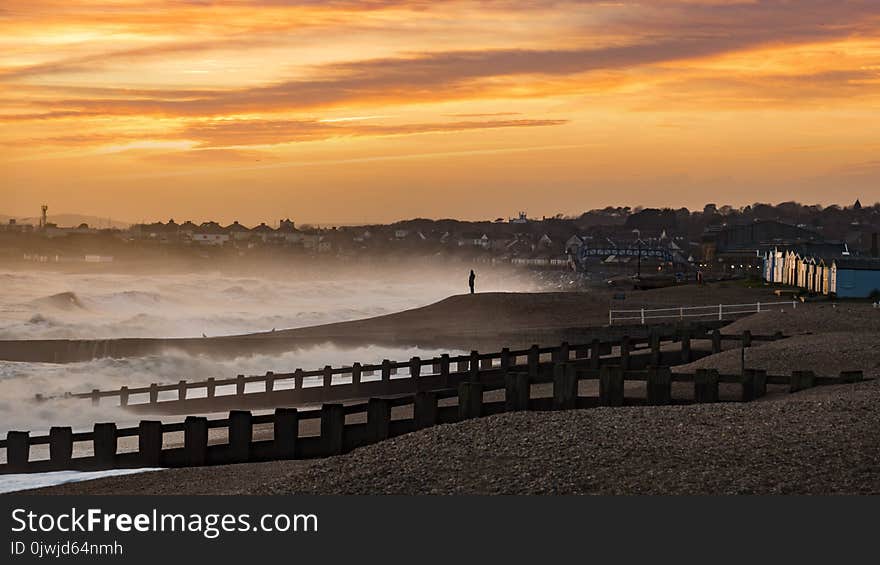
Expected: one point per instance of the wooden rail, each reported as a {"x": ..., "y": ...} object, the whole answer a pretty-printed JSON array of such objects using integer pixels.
[
  {"x": 336, "y": 384},
  {"x": 337, "y": 437},
  {"x": 719, "y": 311}
]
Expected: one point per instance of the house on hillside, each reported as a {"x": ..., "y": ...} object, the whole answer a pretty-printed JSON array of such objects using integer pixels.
[
  {"x": 264, "y": 232},
  {"x": 157, "y": 231},
  {"x": 211, "y": 233},
  {"x": 238, "y": 232},
  {"x": 573, "y": 244},
  {"x": 474, "y": 240},
  {"x": 317, "y": 242},
  {"x": 187, "y": 229},
  {"x": 287, "y": 232}
]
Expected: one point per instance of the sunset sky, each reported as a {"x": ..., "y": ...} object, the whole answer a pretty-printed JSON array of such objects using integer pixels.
[{"x": 343, "y": 111}]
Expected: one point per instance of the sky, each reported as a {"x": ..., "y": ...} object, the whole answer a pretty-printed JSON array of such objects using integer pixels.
[{"x": 373, "y": 111}]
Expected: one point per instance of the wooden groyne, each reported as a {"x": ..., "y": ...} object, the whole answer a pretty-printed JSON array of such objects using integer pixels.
[
  {"x": 427, "y": 408},
  {"x": 339, "y": 384},
  {"x": 347, "y": 335}
]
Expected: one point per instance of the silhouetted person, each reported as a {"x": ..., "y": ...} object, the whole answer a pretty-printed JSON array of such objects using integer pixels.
[{"x": 471, "y": 280}]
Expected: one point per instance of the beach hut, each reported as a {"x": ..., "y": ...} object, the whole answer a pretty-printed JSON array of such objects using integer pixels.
[
  {"x": 821, "y": 277},
  {"x": 774, "y": 266},
  {"x": 810, "y": 274},
  {"x": 778, "y": 265},
  {"x": 801, "y": 273},
  {"x": 788, "y": 269},
  {"x": 854, "y": 277},
  {"x": 832, "y": 278}
]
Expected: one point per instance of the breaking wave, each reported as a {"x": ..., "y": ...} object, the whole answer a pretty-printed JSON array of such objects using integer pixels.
[
  {"x": 42, "y": 305},
  {"x": 20, "y": 382},
  {"x": 61, "y": 301}
]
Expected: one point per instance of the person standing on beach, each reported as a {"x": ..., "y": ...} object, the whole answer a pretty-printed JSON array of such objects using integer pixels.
[{"x": 471, "y": 280}]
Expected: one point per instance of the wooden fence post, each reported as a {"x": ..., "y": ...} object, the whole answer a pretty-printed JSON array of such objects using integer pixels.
[
  {"x": 270, "y": 381},
  {"x": 150, "y": 443},
  {"x": 328, "y": 376},
  {"x": 474, "y": 366},
  {"x": 562, "y": 353},
  {"x": 104, "y": 441},
  {"x": 298, "y": 378},
  {"x": 851, "y": 376},
  {"x": 60, "y": 446},
  {"x": 470, "y": 400},
  {"x": 659, "y": 387},
  {"x": 517, "y": 390},
  {"x": 595, "y": 354},
  {"x": 654, "y": 340},
  {"x": 96, "y": 396},
  {"x": 801, "y": 380},
  {"x": 759, "y": 382},
  {"x": 386, "y": 375},
  {"x": 154, "y": 393},
  {"x": 195, "y": 440},
  {"x": 624, "y": 352},
  {"x": 241, "y": 435},
  {"x": 747, "y": 338},
  {"x": 706, "y": 385},
  {"x": 239, "y": 385},
  {"x": 18, "y": 448},
  {"x": 565, "y": 386},
  {"x": 505, "y": 359},
  {"x": 534, "y": 361},
  {"x": 378, "y": 419},
  {"x": 181, "y": 390},
  {"x": 285, "y": 432},
  {"x": 444, "y": 369},
  {"x": 611, "y": 386},
  {"x": 716, "y": 341},
  {"x": 210, "y": 388},
  {"x": 485, "y": 364},
  {"x": 332, "y": 428},
  {"x": 686, "y": 356},
  {"x": 356, "y": 375},
  {"x": 425, "y": 410},
  {"x": 123, "y": 396},
  {"x": 415, "y": 371},
  {"x": 747, "y": 381}
]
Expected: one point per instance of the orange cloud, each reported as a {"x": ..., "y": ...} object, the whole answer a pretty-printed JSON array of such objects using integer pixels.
[{"x": 183, "y": 82}]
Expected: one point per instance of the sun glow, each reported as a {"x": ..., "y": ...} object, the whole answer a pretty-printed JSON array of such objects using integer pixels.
[{"x": 432, "y": 109}]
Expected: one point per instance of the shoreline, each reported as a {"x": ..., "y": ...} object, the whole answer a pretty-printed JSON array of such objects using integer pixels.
[{"x": 483, "y": 320}]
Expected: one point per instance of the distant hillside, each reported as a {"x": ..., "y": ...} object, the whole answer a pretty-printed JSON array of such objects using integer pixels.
[{"x": 69, "y": 220}]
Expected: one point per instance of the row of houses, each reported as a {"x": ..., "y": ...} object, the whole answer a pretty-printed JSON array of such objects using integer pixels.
[
  {"x": 844, "y": 277},
  {"x": 214, "y": 234},
  {"x": 539, "y": 246}
]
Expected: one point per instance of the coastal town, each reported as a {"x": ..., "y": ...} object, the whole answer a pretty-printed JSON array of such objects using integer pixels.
[{"x": 810, "y": 247}]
